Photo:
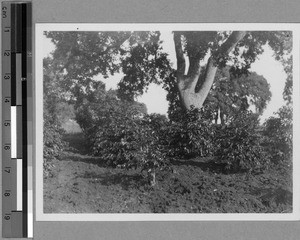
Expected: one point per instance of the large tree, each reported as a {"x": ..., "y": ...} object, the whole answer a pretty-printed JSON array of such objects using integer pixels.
[
  {"x": 81, "y": 56},
  {"x": 229, "y": 95},
  {"x": 238, "y": 49}
]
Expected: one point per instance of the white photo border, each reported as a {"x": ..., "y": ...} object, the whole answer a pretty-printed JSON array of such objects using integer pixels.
[{"x": 38, "y": 136}]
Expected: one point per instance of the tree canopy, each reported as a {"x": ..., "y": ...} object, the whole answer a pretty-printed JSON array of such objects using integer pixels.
[
  {"x": 229, "y": 94},
  {"x": 212, "y": 80},
  {"x": 139, "y": 55}
]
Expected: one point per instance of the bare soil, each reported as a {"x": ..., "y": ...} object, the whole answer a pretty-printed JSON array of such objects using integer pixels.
[{"x": 80, "y": 183}]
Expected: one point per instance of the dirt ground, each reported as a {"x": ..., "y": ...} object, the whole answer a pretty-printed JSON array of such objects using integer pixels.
[
  {"x": 81, "y": 186},
  {"x": 80, "y": 183}
]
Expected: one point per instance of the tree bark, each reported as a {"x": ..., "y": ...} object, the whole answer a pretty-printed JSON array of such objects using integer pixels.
[{"x": 189, "y": 95}]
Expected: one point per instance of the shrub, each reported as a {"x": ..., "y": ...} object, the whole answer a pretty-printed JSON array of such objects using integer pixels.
[
  {"x": 239, "y": 144},
  {"x": 52, "y": 140},
  {"x": 132, "y": 142},
  {"x": 191, "y": 190},
  {"x": 278, "y": 131},
  {"x": 122, "y": 134},
  {"x": 53, "y": 143},
  {"x": 52, "y": 125},
  {"x": 115, "y": 137},
  {"x": 190, "y": 135}
]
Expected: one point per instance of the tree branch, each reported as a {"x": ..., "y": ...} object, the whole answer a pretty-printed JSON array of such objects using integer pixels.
[
  {"x": 231, "y": 42},
  {"x": 179, "y": 53},
  {"x": 206, "y": 82},
  {"x": 74, "y": 51},
  {"x": 224, "y": 50}
]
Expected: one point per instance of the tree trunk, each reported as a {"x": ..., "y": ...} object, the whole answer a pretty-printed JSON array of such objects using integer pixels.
[
  {"x": 189, "y": 94},
  {"x": 152, "y": 178},
  {"x": 222, "y": 117}
]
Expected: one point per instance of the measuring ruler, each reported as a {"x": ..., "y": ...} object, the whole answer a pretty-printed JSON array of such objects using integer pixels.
[{"x": 17, "y": 212}]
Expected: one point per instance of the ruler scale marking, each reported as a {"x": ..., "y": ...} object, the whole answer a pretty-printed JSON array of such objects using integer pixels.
[
  {"x": 6, "y": 90},
  {"x": 13, "y": 52},
  {"x": 14, "y": 183},
  {"x": 19, "y": 147},
  {"x": 13, "y": 78},
  {"x": 16, "y": 44},
  {"x": 19, "y": 184},
  {"x": 18, "y": 80}
]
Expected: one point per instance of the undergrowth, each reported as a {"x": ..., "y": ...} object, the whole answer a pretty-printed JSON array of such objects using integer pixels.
[{"x": 191, "y": 192}]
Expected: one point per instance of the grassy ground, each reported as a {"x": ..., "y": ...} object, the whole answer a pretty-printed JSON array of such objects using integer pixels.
[{"x": 80, "y": 183}]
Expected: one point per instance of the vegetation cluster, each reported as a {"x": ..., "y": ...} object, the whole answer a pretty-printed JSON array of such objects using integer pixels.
[{"x": 224, "y": 136}]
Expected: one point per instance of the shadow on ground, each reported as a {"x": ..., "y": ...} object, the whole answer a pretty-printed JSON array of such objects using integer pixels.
[
  {"x": 75, "y": 157},
  {"x": 76, "y": 143},
  {"x": 126, "y": 181},
  {"x": 207, "y": 164}
]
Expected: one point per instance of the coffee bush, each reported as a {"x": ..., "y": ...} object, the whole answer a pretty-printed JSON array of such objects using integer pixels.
[
  {"x": 239, "y": 144},
  {"x": 122, "y": 135},
  {"x": 190, "y": 135},
  {"x": 278, "y": 131}
]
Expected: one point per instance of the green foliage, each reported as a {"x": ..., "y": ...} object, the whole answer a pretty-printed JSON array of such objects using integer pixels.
[
  {"x": 279, "y": 137},
  {"x": 81, "y": 56},
  {"x": 190, "y": 135},
  {"x": 254, "y": 42},
  {"x": 52, "y": 130},
  {"x": 122, "y": 134},
  {"x": 288, "y": 88},
  {"x": 229, "y": 94},
  {"x": 65, "y": 111},
  {"x": 144, "y": 63},
  {"x": 132, "y": 142},
  {"x": 190, "y": 190},
  {"x": 175, "y": 107},
  {"x": 86, "y": 54},
  {"x": 239, "y": 144},
  {"x": 53, "y": 143},
  {"x": 198, "y": 44},
  {"x": 117, "y": 128}
]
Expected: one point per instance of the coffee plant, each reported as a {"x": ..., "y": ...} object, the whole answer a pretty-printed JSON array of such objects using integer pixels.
[
  {"x": 239, "y": 144},
  {"x": 278, "y": 131},
  {"x": 122, "y": 135},
  {"x": 54, "y": 109},
  {"x": 190, "y": 135}
]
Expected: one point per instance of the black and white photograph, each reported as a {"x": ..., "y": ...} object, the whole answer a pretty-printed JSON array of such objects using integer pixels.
[{"x": 167, "y": 121}]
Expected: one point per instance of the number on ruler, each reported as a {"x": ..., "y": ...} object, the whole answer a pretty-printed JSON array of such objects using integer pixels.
[
  {"x": 7, "y": 170},
  {"x": 7, "y": 217},
  {"x": 7, "y": 29},
  {"x": 6, "y": 76},
  {"x": 6, "y": 53},
  {"x": 6, "y": 147},
  {"x": 7, "y": 193},
  {"x": 7, "y": 100},
  {"x": 7, "y": 123}
]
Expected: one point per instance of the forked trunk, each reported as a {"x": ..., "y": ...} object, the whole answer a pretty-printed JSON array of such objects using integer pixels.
[
  {"x": 191, "y": 95},
  {"x": 187, "y": 86}
]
